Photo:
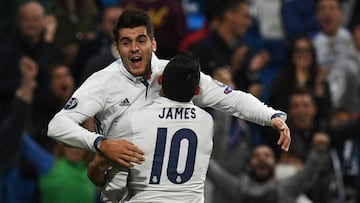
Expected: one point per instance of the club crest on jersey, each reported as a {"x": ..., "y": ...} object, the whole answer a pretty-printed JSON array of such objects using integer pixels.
[
  {"x": 228, "y": 90},
  {"x": 72, "y": 103},
  {"x": 125, "y": 102}
]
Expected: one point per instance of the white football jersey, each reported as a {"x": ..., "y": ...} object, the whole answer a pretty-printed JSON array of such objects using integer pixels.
[
  {"x": 109, "y": 93},
  {"x": 176, "y": 138}
]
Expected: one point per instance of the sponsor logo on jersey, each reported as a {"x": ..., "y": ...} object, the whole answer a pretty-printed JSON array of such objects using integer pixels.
[
  {"x": 72, "y": 103},
  {"x": 228, "y": 90},
  {"x": 125, "y": 102}
]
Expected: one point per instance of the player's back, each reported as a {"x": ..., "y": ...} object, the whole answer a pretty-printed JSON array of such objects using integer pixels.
[{"x": 177, "y": 142}]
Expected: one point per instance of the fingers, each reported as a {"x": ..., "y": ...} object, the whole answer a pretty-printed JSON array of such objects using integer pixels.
[
  {"x": 122, "y": 152},
  {"x": 282, "y": 128},
  {"x": 131, "y": 159},
  {"x": 285, "y": 140},
  {"x": 135, "y": 149},
  {"x": 125, "y": 163}
]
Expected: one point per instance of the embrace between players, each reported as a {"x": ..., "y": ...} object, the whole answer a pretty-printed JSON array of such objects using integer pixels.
[{"x": 156, "y": 142}]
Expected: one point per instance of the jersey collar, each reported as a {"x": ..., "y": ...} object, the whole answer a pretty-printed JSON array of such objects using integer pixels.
[{"x": 162, "y": 100}]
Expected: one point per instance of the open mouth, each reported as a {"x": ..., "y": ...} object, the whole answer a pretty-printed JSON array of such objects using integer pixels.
[{"x": 136, "y": 60}]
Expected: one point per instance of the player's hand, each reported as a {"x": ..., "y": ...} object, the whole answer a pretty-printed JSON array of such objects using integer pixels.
[
  {"x": 122, "y": 152},
  {"x": 97, "y": 168},
  {"x": 284, "y": 131}
]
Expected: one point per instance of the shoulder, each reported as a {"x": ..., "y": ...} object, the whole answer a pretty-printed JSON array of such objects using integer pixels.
[
  {"x": 204, "y": 114},
  {"x": 343, "y": 32},
  {"x": 319, "y": 37},
  {"x": 158, "y": 65},
  {"x": 102, "y": 76}
]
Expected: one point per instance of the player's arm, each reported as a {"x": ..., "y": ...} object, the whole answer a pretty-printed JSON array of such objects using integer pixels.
[
  {"x": 85, "y": 103},
  {"x": 242, "y": 105},
  {"x": 97, "y": 169},
  {"x": 66, "y": 129}
]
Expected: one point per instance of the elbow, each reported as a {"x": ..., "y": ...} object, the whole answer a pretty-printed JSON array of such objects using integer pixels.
[{"x": 52, "y": 126}]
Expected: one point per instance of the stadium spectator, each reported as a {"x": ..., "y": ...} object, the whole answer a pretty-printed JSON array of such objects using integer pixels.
[
  {"x": 223, "y": 56},
  {"x": 76, "y": 21},
  {"x": 336, "y": 52},
  {"x": 27, "y": 47},
  {"x": 59, "y": 89},
  {"x": 62, "y": 175},
  {"x": 301, "y": 71},
  {"x": 258, "y": 184},
  {"x": 355, "y": 30},
  {"x": 16, "y": 122},
  {"x": 99, "y": 52},
  {"x": 348, "y": 154}
]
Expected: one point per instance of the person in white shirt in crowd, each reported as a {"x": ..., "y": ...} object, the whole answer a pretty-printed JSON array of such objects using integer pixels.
[{"x": 336, "y": 52}]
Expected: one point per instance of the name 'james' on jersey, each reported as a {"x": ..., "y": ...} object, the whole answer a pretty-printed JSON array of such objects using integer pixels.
[{"x": 177, "y": 141}]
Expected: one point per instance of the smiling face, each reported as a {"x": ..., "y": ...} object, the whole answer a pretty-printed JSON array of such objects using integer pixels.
[
  {"x": 135, "y": 48},
  {"x": 302, "y": 110},
  {"x": 262, "y": 163}
]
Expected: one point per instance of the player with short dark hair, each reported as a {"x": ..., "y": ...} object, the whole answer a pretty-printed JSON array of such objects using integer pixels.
[
  {"x": 129, "y": 83},
  {"x": 176, "y": 137}
]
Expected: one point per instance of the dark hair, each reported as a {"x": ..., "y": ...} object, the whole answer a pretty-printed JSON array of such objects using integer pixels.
[
  {"x": 290, "y": 66},
  {"x": 303, "y": 91},
  {"x": 225, "y": 5},
  {"x": 317, "y": 2},
  {"x": 132, "y": 18},
  {"x": 181, "y": 77}
]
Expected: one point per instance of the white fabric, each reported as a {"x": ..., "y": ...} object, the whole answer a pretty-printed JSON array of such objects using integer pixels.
[
  {"x": 331, "y": 48},
  {"x": 186, "y": 127},
  {"x": 111, "y": 92}
]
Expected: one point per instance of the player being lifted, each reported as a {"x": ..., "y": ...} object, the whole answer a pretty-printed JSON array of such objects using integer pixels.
[
  {"x": 129, "y": 83},
  {"x": 176, "y": 137}
]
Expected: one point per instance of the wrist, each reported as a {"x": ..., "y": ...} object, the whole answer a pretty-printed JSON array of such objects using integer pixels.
[
  {"x": 97, "y": 143},
  {"x": 281, "y": 115}
]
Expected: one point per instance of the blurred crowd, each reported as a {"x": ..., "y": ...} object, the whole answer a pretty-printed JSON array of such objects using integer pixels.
[{"x": 298, "y": 56}]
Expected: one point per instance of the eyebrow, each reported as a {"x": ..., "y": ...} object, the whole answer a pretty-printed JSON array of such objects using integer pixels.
[{"x": 127, "y": 38}]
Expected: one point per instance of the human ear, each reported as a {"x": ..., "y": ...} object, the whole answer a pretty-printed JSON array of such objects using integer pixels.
[
  {"x": 197, "y": 90},
  {"x": 159, "y": 79}
]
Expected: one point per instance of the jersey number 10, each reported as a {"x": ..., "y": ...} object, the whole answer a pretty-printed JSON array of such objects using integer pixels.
[{"x": 172, "y": 173}]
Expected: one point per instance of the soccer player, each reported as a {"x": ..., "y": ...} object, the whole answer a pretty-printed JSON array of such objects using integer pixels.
[
  {"x": 129, "y": 83},
  {"x": 176, "y": 137}
]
